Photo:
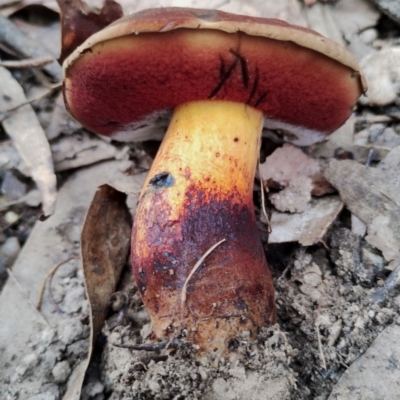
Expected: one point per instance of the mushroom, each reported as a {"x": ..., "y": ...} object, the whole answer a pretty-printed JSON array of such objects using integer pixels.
[{"x": 197, "y": 256}]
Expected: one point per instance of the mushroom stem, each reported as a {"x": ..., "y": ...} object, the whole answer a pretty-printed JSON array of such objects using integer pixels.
[{"x": 200, "y": 191}]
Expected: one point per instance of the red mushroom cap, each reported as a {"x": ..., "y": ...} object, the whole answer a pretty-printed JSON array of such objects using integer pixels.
[{"x": 143, "y": 65}]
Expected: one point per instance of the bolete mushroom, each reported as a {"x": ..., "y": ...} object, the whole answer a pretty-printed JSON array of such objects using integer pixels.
[{"x": 196, "y": 253}]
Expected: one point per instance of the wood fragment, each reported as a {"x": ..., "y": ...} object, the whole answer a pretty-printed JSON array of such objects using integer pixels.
[{"x": 29, "y": 63}]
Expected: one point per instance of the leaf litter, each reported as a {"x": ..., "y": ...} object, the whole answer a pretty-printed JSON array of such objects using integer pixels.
[{"x": 331, "y": 290}]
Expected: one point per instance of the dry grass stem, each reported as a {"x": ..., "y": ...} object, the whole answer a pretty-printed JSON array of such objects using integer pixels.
[
  {"x": 50, "y": 275},
  {"x": 29, "y": 63},
  {"x": 194, "y": 269},
  {"x": 263, "y": 200}
]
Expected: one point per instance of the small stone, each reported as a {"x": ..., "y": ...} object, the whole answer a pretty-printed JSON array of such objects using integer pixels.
[
  {"x": 70, "y": 330},
  {"x": 93, "y": 388},
  {"x": 30, "y": 361},
  {"x": 154, "y": 386},
  {"x": 323, "y": 320},
  {"x": 238, "y": 372},
  {"x": 369, "y": 35},
  {"x": 334, "y": 332},
  {"x": 203, "y": 373},
  {"x": 11, "y": 217},
  {"x": 9, "y": 251},
  {"x": 61, "y": 372}
]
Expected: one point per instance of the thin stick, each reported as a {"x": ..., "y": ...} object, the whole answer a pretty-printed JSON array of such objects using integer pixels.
[
  {"x": 28, "y": 63},
  {"x": 194, "y": 269},
  {"x": 263, "y": 200},
  {"x": 50, "y": 275},
  {"x": 29, "y": 101},
  {"x": 321, "y": 352}
]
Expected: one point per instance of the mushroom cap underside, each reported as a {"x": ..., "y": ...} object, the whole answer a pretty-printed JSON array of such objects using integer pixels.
[{"x": 142, "y": 66}]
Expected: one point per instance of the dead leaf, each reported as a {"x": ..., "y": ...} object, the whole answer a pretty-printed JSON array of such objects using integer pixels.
[
  {"x": 15, "y": 40},
  {"x": 79, "y": 21},
  {"x": 372, "y": 194},
  {"x": 353, "y": 17},
  {"x": 308, "y": 227},
  {"x": 321, "y": 20},
  {"x": 105, "y": 247},
  {"x": 369, "y": 375},
  {"x": 287, "y": 163},
  {"x": 29, "y": 138},
  {"x": 295, "y": 197},
  {"x": 79, "y": 150}
]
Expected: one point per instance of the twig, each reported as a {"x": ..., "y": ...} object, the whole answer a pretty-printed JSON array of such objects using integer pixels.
[
  {"x": 321, "y": 352},
  {"x": 151, "y": 346},
  {"x": 30, "y": 63},
  {"x": 6, "y": 113},
  {"x": 263, "y": 200},
  {"x": 50, "y": 275},
  {"x": 194, "y": 269}
]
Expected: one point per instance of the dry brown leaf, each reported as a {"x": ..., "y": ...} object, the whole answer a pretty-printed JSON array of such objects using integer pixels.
[
  {"x": 105, "y": 245},
  {"x": 79, "y": 21},
  {"x": 29, "y": 138}
]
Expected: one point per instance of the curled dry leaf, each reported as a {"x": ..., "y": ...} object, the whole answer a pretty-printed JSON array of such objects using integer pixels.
[
  {"x": 79, "y": 21},
  {"x": 29, "y": 138},
  {"x": 105, "y": 248}
]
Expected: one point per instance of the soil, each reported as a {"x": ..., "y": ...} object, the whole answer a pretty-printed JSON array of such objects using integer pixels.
[{"x": 326, "y": 319}]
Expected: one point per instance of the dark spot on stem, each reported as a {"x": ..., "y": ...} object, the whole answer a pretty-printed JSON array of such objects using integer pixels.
[{"x": 162, "y": 180}]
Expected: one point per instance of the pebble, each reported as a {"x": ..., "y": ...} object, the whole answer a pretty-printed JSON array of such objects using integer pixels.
[
  {"x": 11, "y": 217},
  {"x": 71, "y": 330},
  {"x": 369, "y": 35},
  {"x": 9, "y": 251},
  {"x": 61, "y": 372}
]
